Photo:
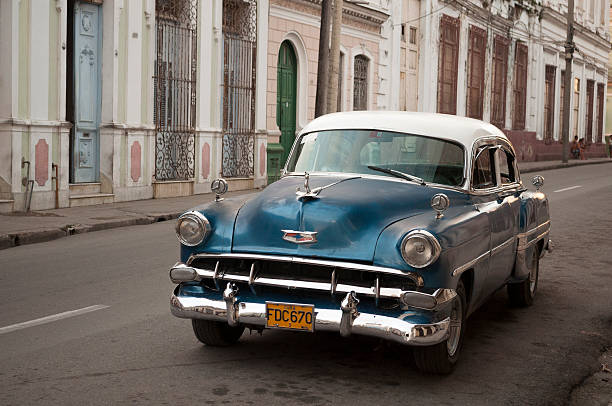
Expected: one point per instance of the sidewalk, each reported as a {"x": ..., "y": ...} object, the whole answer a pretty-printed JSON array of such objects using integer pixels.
[{"x": 39, "y": 226}]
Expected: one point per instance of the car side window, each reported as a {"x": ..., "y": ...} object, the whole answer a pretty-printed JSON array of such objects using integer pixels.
[
  {"x": 506, "y": 166},
  {"x": 483, "y": 176}
]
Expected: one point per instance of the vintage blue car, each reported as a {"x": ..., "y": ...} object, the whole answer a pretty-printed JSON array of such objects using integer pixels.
[{"x": 386, "y": 224}]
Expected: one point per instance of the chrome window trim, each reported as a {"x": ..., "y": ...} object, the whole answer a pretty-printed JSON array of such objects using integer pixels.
[
  {"x": 309, "y": 261},
  {"x": 495, "y": 142}
]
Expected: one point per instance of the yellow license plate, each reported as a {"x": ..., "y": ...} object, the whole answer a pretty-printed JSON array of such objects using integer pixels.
[{"x": 290, "y": 316}]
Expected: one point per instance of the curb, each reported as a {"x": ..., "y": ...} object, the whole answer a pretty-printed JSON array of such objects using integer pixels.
[
  {"x": 47, "y": 234},
  {"x": 562, "y": 165}
]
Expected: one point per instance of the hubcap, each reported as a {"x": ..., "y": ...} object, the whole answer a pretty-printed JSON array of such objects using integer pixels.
[{"x": 456, "y": 320}]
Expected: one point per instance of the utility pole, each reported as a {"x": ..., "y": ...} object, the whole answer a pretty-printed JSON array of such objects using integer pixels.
[
  {"x": 569, "y": 51},
  {"x": 332, "y": 92},
  {"x": 323, "y": 66}
]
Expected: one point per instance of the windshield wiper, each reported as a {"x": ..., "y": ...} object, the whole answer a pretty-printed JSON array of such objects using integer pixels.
[{"x": 398, "y": 174}]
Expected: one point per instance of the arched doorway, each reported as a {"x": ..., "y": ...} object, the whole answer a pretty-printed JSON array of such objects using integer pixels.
[{"x": 286, "y": 81}]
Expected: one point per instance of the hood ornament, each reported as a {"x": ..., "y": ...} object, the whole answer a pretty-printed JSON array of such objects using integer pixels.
[
  {"x": 300, "y": 237},
  {"x": 440, "y": 202},
  {"x": 219, "y": 186},
  {"x": 314, "y": 193}
]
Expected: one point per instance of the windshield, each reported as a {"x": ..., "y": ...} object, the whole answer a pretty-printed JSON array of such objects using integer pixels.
[{"x": 352, "y": 151}]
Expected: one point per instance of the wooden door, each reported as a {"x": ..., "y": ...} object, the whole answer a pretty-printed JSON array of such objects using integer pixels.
[
  {"x": 87, "y": 61},
  {"x": 286, "y": 97}
]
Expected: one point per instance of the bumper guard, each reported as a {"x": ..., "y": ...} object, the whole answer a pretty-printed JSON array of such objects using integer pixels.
[{"x": 345, "y": 320}]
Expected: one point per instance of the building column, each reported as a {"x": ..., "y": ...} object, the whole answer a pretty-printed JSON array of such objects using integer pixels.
[{"x": 261, "y": 135}]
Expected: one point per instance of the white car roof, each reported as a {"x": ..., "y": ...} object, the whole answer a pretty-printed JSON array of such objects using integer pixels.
[{"x": 455, "y": 128}]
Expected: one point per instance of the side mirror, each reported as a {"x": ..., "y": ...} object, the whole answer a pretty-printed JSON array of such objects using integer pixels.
[
  {"x": 219, "y": 186},
  {"x": 538, "y": 181}
]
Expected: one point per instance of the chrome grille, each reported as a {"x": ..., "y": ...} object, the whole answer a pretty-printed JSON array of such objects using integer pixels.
[{"x": 303, "y": 273}]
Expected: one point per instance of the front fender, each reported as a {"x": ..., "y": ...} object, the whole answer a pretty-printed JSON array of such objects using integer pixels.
[
  {"x": 222, "y": 216},
  {"x": 463, "y": 234}
]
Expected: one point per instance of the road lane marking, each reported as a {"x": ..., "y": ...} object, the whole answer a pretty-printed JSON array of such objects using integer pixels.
[
  {"x": 567, "y": 188},
  {"x": 51, "y": 318}
]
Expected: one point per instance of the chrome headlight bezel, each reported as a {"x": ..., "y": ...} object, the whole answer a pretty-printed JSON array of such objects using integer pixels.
[
  {"x": 201, "y": 221},
  {"x": 435, "y": 247}
]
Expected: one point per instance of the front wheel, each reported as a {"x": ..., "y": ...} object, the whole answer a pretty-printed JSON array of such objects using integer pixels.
[
  {"x": 522, "y": 294},
  {"x": 441, "y": 358},
  {"x": 215, "y": 333}
]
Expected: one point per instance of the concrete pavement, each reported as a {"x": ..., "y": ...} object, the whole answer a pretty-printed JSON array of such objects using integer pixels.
[{"x": 45, "y": 225}]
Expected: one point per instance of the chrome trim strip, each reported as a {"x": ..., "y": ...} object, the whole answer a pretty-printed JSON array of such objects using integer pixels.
[
  {"x": 416, "y": 278},
  {"x": 533, "y": 230},
  {"x": 254, "y": 314},
  {"x": 523, "y": 246},
  {"x": 503, "y": 245},
  {"x": 458, "y": 271}
]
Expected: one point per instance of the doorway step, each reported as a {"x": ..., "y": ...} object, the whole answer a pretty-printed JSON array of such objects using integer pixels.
[{"x": 88, "y": 194}]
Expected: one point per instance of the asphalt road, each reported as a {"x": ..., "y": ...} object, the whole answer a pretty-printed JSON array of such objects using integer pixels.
[{"x": 128, "y": 349}]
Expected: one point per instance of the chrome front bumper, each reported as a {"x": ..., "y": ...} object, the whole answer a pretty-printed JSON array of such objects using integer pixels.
[{"x": 346, "y": 319}]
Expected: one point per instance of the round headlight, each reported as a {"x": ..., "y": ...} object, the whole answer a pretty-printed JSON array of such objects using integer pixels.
[
  {"x": 420, "y": 248},
  {"x": 191, "y": 228}
]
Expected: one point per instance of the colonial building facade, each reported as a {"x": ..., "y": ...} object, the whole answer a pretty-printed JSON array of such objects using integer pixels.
[
  {"x": 113, "y": 100},
  {"x": 503, "y": 62}
]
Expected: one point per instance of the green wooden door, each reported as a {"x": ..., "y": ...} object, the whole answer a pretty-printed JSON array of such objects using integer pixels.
[{"x": 285, "y": 97}]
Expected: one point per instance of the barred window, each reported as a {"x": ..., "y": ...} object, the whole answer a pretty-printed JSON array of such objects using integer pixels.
[
  {"x": 360, "y": 83},
  {"x": 448, "y": 65},
  {"x": 549, "y": 103},
  {"x": 498, "y": 89},
  {"x": 520, "y": 86},
  {"x": 476, "y": 67}
]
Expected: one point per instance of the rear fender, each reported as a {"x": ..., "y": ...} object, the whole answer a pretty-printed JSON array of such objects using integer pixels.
[{"x": 534, "y": 230}]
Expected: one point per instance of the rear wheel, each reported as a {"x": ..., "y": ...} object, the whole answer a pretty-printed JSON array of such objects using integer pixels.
[
  {"x": 215, "y": 333},
  {"x": 441, "y": 358},
  {"x": 522, "y": 294}
]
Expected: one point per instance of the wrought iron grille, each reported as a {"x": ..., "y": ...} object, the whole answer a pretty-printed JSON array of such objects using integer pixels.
[
  {"x": 360, "y": 83},
  {"x": 239, "y": 56},
  {"x": 174, "y": 84}
]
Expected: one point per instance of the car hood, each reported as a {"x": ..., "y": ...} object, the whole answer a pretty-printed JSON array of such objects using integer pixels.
[{"x": 348, "y": 217}]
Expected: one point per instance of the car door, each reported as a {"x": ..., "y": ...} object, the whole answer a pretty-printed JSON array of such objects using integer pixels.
[
  {"x": 505, "y": 219},
  {"x": 498, "y": 200}
]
